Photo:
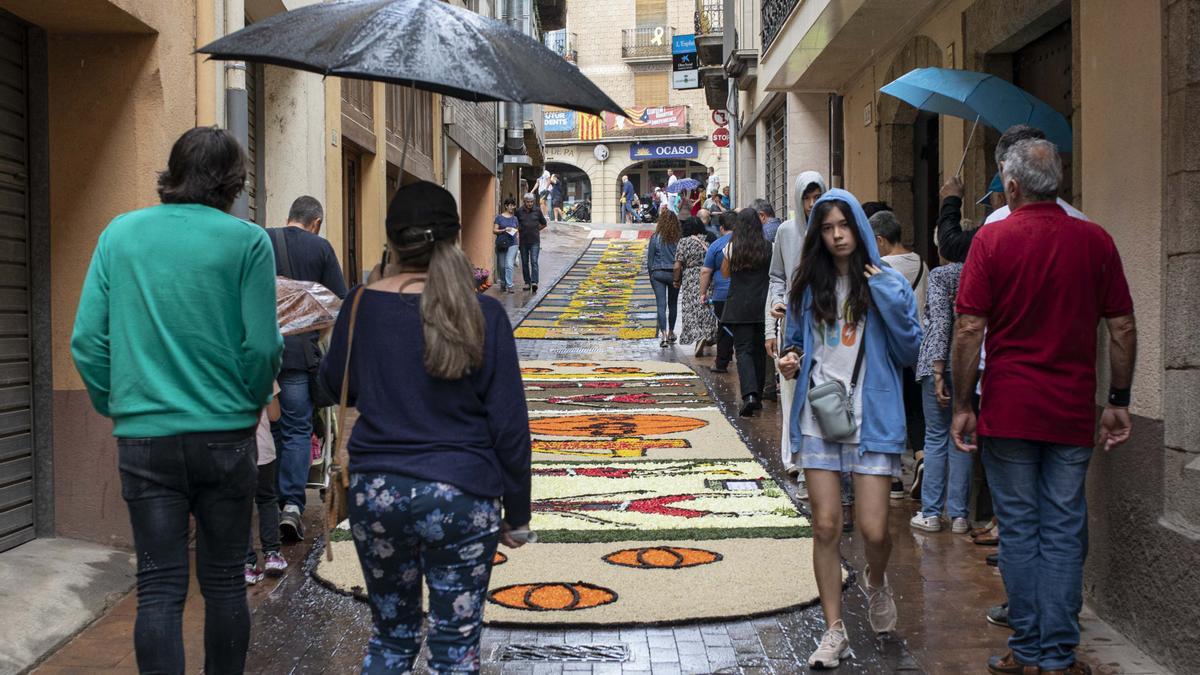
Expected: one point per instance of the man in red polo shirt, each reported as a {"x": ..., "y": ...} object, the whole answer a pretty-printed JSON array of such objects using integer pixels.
[{"x": 1040, "y": 281}]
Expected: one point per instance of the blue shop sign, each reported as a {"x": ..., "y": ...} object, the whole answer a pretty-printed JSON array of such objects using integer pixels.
[
  {"x": 664, "y": 150},
  {"x": 559, "y": 120},
  {"x": 683, "y": 44}
]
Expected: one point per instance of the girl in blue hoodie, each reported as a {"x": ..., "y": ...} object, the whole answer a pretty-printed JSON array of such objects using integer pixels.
[{"x": 845, "y": 300}]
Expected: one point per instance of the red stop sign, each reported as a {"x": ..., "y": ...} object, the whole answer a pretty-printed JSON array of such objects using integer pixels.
[{"x": 720, "y": 137}]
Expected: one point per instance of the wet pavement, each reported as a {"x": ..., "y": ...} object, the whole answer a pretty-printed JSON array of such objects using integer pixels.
[{"x": 941, "y": 582}]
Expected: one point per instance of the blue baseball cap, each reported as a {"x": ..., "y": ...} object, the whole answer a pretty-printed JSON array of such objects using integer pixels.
[{"x": 997, "y": 185}]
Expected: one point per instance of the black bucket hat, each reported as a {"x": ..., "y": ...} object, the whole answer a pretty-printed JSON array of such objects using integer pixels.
[{"x": 422, "y": 212}]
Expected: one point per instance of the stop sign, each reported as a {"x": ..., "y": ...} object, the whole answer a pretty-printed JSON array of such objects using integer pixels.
[{"x": 720, "y": 137}]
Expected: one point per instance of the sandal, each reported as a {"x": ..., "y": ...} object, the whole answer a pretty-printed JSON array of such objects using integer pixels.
[{"x": 671, "y": 338}]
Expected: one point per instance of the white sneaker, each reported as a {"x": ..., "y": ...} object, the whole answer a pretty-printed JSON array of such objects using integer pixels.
[
  {"x": 960, "y": 526},
  {"x": 928, "y": 523},
  {"x": 792, "y": 470},
  {"x": 881, "y": 605},
  {"x": 801, "y": 489},
  {"x": 834, "y": 647}
]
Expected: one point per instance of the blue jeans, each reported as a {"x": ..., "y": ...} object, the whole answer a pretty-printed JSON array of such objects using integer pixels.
[
  {"x": 405, "y": 529},
  {"x": 529, "y": 263},
  {"x": 1041, "y": 504},
  {"x": 947, "y": 481},
  {"x": 164, "y": 481},
  {"x": 627, "y": 209},
  {"x": 293, "y": 437},
  {"x": 666, "y": 299},
  {"x": 504, "y": 267}
]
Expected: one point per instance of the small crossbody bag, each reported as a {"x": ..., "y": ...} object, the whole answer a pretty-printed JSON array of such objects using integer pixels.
[{"x": 832, "y": 404}]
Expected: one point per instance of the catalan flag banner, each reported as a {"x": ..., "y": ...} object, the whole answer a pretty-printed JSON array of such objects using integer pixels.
[
  {"x": 591, "y": 127},
  {"x": 665, "y": 117}
]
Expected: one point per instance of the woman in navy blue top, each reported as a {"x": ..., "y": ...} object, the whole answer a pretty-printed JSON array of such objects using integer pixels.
[{"x": 441, "y": 448}]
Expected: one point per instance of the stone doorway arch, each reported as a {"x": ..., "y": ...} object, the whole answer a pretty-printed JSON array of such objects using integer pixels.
[{"x": 896, "y": 137}]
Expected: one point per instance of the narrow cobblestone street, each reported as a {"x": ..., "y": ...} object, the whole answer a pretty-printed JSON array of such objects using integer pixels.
[{"x": 942, "y": 585}]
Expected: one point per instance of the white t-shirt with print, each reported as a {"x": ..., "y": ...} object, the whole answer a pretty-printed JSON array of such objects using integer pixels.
[{"x": 835, "y": 349}]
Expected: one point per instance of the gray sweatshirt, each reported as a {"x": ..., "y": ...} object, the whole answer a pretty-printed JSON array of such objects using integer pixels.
[{"x": 785, "y": 256}]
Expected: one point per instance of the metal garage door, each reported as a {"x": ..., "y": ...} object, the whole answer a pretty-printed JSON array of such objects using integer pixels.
[{"x": 16, "y": 414}]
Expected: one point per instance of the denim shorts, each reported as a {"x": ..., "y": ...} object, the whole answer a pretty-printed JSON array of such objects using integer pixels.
[{"x": 818, "y": 453}]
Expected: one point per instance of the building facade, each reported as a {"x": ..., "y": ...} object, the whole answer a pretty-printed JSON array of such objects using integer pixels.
[
  {"x": 93, "y": 97},
  {"x": 1125, "y": 75},
  {"x": 625, "y": 47}
]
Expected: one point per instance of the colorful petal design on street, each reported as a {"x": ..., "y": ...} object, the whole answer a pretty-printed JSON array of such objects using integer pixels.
[
  {"x": 605, "y": 296},
  {"x": 648, "y": 506}
]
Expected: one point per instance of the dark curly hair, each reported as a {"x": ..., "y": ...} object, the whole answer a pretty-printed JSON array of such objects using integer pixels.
[{"x": 207, "y": 166}]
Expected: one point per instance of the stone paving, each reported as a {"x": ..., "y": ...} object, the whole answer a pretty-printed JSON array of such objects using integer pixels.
[{"x": 942, "y": 586}]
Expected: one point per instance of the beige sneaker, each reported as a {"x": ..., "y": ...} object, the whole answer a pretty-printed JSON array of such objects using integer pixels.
[
  {"x": 881, "y": 606},
  {"x": 834, "y": 647}
]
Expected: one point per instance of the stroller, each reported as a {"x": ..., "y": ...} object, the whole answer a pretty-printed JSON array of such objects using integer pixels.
[
  {"x": 579, "y": 212},
  {"x": 648, "y": 211}
]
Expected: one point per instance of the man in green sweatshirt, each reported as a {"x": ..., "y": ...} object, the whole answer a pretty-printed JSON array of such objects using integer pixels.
[{"x": 177, "y": 342}]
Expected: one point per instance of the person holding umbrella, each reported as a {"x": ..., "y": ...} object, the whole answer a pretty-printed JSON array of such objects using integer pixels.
[{"x": 439, "y": 459}]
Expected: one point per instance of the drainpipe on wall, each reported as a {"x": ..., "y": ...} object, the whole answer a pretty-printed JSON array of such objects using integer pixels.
[
  {"x": 236, "y": 104},
  {"x": 514, "y": 114}
]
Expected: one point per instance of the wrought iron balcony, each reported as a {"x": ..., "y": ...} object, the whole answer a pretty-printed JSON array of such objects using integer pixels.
[
  {"x": 649, "y": 43},
  {"x": 774, "y": 14},
  {"x": 710, "y": 19},
  {"x": 562, "y": 43}
]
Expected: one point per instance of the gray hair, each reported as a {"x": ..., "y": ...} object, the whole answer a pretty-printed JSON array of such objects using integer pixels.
[
  {"x": 1036, "y": 167},
  {"x": 1013, "y": 135},
  {"x": 763, "y": 206},
  {"x": 886, "y": 225}
]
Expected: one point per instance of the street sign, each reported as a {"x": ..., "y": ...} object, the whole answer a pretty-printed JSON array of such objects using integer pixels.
[
  {"x": 720, "y": 137},
  {"x": 720, "y": 118},
  {"x": 684, "y": 65},
  {"x": 664, "y": 150}
]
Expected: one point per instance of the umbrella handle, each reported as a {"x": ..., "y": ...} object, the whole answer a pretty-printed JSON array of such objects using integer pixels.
[{"x": 958, "y": 174}]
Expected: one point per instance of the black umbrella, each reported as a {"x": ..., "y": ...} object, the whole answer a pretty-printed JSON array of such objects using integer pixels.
[{"x": 426, "y": 44}]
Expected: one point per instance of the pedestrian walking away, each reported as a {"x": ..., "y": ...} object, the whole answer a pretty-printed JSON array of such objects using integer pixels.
[
  {"x": 177, "y": 342},
  {"x": 714, "y": 290},
  {"x": 660, "y": 265},
  {"x": 785, "y": 255},
  {"x": 556, "y": 197},
  {"x": 506, "y": 226},
  {"x": 945, "y": 473},
  {"x": 852, "y": 328},
  {"x": 1039, "y": 282},
  {"x": 265, "y": 500},
  {"x": 887, "y": 237},
  {"x": 699, "y": 322},
  {"x": 530, "y": 223},
  {"x": 440, "y": 455},
  {"x": 747, "y": 263},
  {"x": 301, "y": 254}
]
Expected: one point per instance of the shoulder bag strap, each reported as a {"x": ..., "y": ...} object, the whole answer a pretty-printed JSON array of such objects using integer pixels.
[
  {"x": 279, "y": 238},
  {"x": 858, "y": 361},
  {"x": 920, "y": 273},
  {"x": 339, "y": 473}
]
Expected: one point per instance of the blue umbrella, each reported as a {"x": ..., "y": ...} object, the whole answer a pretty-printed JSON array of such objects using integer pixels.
[
  {"x": 980, "y": 97},
  {"x": 683, "y": 184}
]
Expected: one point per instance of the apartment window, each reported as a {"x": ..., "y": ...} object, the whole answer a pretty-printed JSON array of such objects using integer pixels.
[
  {"x": 651, "y": 13},
  {"x": 651, "y": 89},
  {"x": 776, "y": 161}
]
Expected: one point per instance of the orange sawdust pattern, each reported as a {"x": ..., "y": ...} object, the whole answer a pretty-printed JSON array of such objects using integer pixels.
[
  {"x": 499, "y": 559},
  {"x": 618, "y": 370},
  {"x": 614, "y": 425},
  {"x": 662, "y": 557},
  {"x": 535, "y": 371},
  {"x": 552, "y": 597},
  {"x": 574, "y": 364}
]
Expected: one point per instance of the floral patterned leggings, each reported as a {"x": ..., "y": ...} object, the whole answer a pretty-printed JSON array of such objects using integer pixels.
[{"x": 405, "y": 528}]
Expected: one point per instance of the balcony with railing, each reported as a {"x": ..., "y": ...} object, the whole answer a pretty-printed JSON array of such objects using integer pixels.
[
  {"x": 775, "y": 13},
  {"x": 710, "y": 33},
  {"x": 562, "y": 43},
  {"x": 648, "y": 43}
]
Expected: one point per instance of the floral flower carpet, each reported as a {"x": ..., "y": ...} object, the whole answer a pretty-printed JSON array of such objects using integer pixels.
[
  {"x": 605, "y": 295},
  {"x": 648, "y": 508}
]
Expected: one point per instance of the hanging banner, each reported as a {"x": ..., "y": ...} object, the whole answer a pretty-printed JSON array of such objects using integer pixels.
[
  {"x": 673, "y": 117},
  {"x": 559, "y": 120},
  {"x": 591, "y": 127}
]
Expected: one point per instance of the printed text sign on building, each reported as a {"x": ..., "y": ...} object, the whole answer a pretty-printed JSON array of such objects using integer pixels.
[
  {"x": 664, "y": 150},
  {"x": 685, "y": 69},
  {"x": 559, "y": 120}
]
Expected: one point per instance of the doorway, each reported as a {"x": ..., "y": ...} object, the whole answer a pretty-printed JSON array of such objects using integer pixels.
[
  {"x": 926, "y": 157},
  {"x": 352, "y": 215}
]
